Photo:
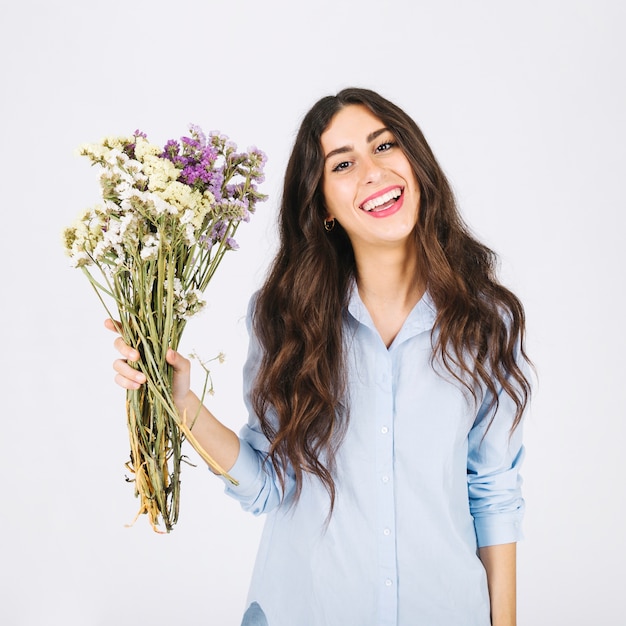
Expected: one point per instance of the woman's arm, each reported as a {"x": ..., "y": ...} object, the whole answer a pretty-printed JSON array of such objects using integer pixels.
[
  {"x": 500, "y": 565},
  {"x": 220, "y": 442}
]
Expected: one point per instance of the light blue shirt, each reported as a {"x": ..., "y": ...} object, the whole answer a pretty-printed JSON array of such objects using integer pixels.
[{"x": 420, "y": 485}]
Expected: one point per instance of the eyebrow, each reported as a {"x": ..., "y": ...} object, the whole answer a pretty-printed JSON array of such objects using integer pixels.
[{"x": 343, "y": 149}]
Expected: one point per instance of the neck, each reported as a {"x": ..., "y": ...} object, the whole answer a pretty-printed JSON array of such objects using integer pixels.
[
  {"x": 390, "y": 277},
  {"x": 390, "y": 285}
]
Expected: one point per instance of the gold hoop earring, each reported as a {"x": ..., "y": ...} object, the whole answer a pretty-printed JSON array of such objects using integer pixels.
[{"x": 329, "y": 224}]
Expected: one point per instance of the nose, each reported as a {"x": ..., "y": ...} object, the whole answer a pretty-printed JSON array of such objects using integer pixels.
[{"x": 371, "y": 170}]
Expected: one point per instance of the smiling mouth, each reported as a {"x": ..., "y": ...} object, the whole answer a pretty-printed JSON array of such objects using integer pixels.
[{"x": 382, "y": 201}]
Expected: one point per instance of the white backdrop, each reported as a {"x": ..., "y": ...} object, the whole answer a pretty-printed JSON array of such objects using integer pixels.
[{"x": 524, "y": 104}]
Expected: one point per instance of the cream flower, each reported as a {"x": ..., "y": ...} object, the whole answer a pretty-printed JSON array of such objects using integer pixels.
[{"x": 143, "y": 149}]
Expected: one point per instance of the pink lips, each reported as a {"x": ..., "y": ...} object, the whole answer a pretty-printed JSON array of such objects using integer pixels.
[{"x": 394, "y": 208}]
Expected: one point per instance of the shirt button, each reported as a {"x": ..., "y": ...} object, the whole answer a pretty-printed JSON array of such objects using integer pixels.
[
  {"x": 385, "y": 478},
  {"x": 386, "y": 532},
  {"x": 388, "y": 582},
  {"x": 384, "y": 430}
]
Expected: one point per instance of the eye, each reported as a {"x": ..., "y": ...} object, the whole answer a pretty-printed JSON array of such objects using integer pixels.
[
  {"x": 341, "y": 166},
  {"x": 386, "y": 145}
]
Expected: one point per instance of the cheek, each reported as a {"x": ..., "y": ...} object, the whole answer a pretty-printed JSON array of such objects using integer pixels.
[
  {"x": 417, "y": 190},
  {"x": 334, "y": 195},
  {"x": 327, "y": 196},
  {"x": 327, "y": 186}
]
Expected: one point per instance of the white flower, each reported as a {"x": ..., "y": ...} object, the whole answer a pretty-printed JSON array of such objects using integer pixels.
[
  {"x": 95, "y": 151},
  {"x": 150, "y": 249},
  {"x": 128, "y": 226},
  {"x": 133, "y": 166},
  {"x": 187, "y": 217},
  {"x": 80, "y": 259},
  {"x": 115, "y": 142},
  {"x": 194, "y": 304},
  {"x": 178, "y": 286},
  {"x": 185, "y": 304},
  {"x": 124, "y": 189},
  {"x": 190, "y": 234},
  {"x": 116, "y": 158},
  {"x": 160, "y": 205}
]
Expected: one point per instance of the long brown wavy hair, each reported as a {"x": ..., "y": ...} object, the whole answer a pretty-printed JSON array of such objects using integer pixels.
[{"x": 299, "y": 393}]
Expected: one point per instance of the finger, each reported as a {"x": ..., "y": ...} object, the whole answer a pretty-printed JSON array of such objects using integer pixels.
[
  {"x": 113, "y": 325},
  {"x": 126, "y": 383},
  {"x": 128, "y": 373},
  {"x": 130, "y": 354}
]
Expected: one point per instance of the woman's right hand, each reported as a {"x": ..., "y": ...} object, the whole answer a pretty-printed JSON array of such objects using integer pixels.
[
  {"x": 216, "y": 443},
  {"x": 130, "y": 378},
  {"x": 126, "y": 377}
]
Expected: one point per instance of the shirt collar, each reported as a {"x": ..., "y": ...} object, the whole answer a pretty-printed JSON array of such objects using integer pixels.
[{"x": 421, "y": 318}]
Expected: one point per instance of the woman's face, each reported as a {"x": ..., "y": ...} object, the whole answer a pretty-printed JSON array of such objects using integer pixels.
[{"x": 368, "y": 183}]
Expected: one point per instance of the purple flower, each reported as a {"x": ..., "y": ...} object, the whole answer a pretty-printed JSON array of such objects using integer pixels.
[
  {"x": 218, "y": 232},
  {"x": 205, "y": 241},
  {"x": 257, "y": 157},
  {"x": 216, "y": 180},
  {"x": 197, "y": 132},
  {"x": 190, "y": 146},
  {"x": 171, "y": 150}
]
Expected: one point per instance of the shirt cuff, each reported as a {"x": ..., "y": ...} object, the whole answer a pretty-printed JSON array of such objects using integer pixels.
[
  {"x": 246, "y": 471},
  {"x": 493, "y": 530}
]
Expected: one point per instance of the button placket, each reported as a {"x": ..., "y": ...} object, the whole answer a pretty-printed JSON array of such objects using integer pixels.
[{"x": 385, "y": 491}]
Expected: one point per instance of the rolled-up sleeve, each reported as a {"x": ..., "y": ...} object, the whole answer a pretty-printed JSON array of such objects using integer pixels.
[
  {"x": 259, "y": 489},
  {"x": 494, "y": 482}
]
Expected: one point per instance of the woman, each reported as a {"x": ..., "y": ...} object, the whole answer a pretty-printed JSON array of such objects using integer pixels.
[{"x": 386, "y": 384}]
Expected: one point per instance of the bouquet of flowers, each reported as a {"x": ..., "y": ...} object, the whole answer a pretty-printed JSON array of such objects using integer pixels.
[{"x": 168, "y": 214}]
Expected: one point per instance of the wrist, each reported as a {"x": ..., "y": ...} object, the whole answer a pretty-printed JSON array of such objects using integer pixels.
[{"x": 188, "y": 407}]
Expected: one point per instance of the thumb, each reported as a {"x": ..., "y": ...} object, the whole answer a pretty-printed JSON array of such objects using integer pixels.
[{"x": 176, "y": 360}]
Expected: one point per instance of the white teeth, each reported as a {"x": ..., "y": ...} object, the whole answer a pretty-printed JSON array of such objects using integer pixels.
[{"x": 373, "y": 204}]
